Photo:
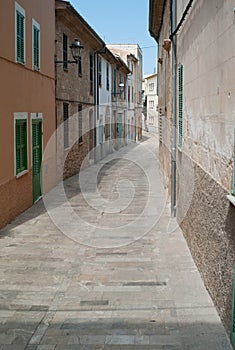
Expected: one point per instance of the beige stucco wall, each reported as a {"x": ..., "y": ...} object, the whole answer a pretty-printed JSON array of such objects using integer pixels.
[
  {"x": 24, "y": 90},
  {"x": 205, "y": 48}
]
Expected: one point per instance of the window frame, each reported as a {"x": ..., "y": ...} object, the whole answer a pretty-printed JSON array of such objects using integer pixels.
[
  {"x": 21, "y": 11},
  {"x": 151, "y": 104},
  {"x": 151, "y": 86},
  {"x": 36, "y": 25},
  {"x": 107, "y": 76},
  {"x": 23, "y": 118}
]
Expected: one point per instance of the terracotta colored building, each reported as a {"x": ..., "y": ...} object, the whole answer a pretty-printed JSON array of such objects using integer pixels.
[{"x": 27, "y": 118}]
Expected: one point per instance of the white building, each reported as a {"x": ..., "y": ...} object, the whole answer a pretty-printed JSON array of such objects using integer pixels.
[{"x": 151, "y": 100}]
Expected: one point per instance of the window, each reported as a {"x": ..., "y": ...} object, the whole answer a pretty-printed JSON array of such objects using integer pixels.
[
  {"x": 151, "y": 104},
  {"x": 99, "y": 71},
  {"x": 20, "y": 33},
  {"x": 80, "y": 65},
  {"x": 80, "y": 123},
  {"x": 66, "y": 124},
  {"x": 65, "y": 52},
  {"x": 91, "y": 74},
  {"x": 151, "y": 86},
  {"x": 21, "y": 149},
  {"x": 115, "y": 82},
  {"x": 180, "y": 107},
  {"x": 107, "y": 76},
  {"x": 132, "y": 94},
  {"x": 36, "y": 45}
]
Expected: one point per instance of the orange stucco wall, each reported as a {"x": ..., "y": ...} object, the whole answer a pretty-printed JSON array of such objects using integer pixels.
[{"x": 24, "y": 90}]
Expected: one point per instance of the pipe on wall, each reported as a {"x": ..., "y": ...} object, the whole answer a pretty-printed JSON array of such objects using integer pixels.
[{"x": 174, "y": 82}]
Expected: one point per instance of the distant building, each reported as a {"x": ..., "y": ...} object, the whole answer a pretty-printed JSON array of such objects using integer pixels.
[
  {"x": 151, "y": 101},
  {"x": 132, "y": 56}
]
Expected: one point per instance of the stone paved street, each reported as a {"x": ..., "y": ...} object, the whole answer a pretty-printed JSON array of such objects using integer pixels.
[{"x": 104, "y": 268}]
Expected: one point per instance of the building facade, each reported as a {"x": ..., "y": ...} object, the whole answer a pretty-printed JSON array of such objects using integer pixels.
[
  {"x": 151, "y": 102},
  {"x": 87, "y": 113},
  {"x": 76, "y": 90},
  {"x": 27, "y": 118},
  {"x": 202, "y": 102},
  {"x": 131, "y": 54}
]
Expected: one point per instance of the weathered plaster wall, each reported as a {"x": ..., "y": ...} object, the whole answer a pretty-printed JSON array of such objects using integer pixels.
[
  {"x": 209, "y": 228},
  {"x": 208, "y": 57}
]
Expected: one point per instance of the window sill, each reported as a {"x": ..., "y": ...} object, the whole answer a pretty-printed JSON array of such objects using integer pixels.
[
  {"x": 22, "y": 173},
  {"x": 231, "y": 199}
]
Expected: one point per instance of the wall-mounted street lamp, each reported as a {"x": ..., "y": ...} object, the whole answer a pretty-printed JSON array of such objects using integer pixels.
[
  {"x": 75, "y": 50},
  {"x": 121, "y": 89}
]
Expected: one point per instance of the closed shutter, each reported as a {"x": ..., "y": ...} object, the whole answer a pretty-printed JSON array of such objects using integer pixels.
[
  {"x": 21, "y": 145},
  {"x": 65, "y": 51},
  {"x": 20, "y": 23},
  {"x": 66, "y": 124},
  {"x": 35, "y": 48},
  {"x": 91, "y": 75},
  {"x": 79, "y": 123},
  {"x": 37, "y": 158},
  {"x": 79, "y": 65},
  {"x": 180, "y": 101}
]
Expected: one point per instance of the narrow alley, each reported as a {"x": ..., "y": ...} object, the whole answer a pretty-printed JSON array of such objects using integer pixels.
[{"x": 100, "y": 264}]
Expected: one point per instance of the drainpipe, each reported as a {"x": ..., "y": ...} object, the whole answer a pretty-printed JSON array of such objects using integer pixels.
[
  {"x": 174, "y": 76},
  {"x": 96, "y": 102}
]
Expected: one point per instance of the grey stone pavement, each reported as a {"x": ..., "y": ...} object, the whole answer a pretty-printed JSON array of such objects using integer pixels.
[{"x": 100, "y": 264}]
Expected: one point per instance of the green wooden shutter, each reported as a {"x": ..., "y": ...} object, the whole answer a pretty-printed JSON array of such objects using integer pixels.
[
  {"x": 36, "y": 48},
  {"x": 180, "y": 107},
  {"x": 37, "y": 158},
  {"x": 20, "y": 22},
  {"x": 21, "y": 145}
]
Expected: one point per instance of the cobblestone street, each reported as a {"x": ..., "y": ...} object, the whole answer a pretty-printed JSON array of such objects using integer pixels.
[{"x": 102, "y": 265}]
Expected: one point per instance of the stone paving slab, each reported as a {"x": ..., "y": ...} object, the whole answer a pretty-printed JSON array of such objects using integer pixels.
[{"x": 123, "y": 280}]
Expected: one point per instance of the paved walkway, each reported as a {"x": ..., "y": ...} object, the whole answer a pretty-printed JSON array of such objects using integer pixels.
[{"x": 104, "y": 267}]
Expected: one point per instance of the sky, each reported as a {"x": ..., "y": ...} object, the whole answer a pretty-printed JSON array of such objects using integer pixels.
[{"x": 121, "y": 22}]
